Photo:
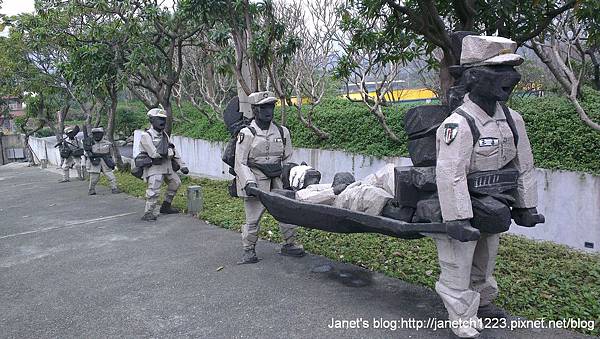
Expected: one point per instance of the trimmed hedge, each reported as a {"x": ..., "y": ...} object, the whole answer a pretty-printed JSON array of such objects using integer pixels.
[{"x": 559, "y": 138}]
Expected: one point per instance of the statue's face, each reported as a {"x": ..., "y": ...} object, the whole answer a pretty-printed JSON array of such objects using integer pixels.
[
  {"x": 493, "y": 82},
  {"x": 264, "y": 113},
  {"x": 98, "y": 135},
  {"x": 158, "y": 123}
]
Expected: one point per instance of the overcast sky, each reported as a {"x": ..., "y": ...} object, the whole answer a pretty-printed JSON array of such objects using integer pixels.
[{"x": 12, "y": 7}]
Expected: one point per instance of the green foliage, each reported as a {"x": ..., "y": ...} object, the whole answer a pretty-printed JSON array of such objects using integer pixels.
[
  {"x": 558, "y": 137},
  {"x": 536, "y": 279}
]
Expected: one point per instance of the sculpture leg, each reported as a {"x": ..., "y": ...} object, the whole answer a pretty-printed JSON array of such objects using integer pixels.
[
  {"x": 153, "y": 193},
  {"x": 461, "y": 302},
  {"x": 94, "y": 178},
  {"x": 66, "y": 167},
  {"x": 112, "y": 180},
  {"x": 254, "y": 211},
  {"x": 173, "y": 183},
  {"x": 482, "y": 280},
  {"x": 288, "y": 231}
]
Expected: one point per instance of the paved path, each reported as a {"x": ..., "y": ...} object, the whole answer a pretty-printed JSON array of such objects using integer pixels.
[{"x": 79, "y": 266}]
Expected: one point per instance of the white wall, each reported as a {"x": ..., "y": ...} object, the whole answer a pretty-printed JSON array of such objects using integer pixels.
[{"x": 569, "y": 200}]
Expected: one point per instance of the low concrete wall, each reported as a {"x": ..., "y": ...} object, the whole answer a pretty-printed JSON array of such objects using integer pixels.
[{"x": 569, "y": 200}]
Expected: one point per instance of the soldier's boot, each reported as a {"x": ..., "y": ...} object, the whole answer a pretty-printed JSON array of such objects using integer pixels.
[
  {"x": 92, "y": 191},
  {"x": 292, "y": 250},
  {"x": 80, "y": 175},
  {"x": 249, "y": 257},
  {"x": 166, "y": 208},
  {"x": 65, "y": 177},
  {"x": 149, "y": 216},
  {"x": 491, "y": 311}
]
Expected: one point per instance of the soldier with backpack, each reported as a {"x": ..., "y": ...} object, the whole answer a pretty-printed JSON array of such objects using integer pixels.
[
  {"x": 99, "y": 160},
  {"x": 156, "y": 145},
  {"x": 71, "y": 151},
  {"x": 262, "y": 149},
  {"x": 483, "y": 158}
]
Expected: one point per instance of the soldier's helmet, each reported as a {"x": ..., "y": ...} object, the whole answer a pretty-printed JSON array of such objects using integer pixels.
[
  {"x": 157, "y": 112},
  {"x": 480, "y": 50},
  {"x": 261, "y": 98},
  {"x": 69, "y": 129}
]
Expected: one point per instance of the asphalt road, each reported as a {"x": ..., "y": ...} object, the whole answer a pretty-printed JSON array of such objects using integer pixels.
[{"x": 79, "y": 266}]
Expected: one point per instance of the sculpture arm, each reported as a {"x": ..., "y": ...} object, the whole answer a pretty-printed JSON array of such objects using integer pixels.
[
  {"x": 242, "y": 151},
  {"x": 453, "y": 160}
]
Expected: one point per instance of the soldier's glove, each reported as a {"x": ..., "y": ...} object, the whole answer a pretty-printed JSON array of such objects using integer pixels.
[
  {"x": 527, "y": 217},
  {"x": 462, "y": 230},
  {"x": 251, "y": 189},
  {"x": 185, "y": 170}
]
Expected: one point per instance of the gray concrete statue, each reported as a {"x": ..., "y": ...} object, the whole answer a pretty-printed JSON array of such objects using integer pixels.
[
  {"x": 99, "y": 160},
  {"x": 71, "y": 151},
  {"x": 163, "y": 165},
  {"x": 261, "y": 151},
  {"x": 483, "y": 156}
]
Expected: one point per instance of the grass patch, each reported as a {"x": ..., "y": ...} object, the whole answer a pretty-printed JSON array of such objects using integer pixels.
[{"x": 536, "y": 279}]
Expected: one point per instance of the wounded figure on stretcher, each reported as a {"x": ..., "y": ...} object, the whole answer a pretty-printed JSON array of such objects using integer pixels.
[{"x": 409, "y": 194}]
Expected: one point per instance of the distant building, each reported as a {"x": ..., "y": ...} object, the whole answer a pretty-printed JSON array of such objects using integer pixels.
[{"x": 7, "y": 119}]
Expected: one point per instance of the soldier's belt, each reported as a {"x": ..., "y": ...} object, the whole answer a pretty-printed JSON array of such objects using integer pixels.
[
  {"x": 492, "y": 182},
  {"x": 270, "y": 170}
]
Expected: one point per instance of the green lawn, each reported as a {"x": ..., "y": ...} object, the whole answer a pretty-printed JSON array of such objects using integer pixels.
[{"x": 536, "y": 279}]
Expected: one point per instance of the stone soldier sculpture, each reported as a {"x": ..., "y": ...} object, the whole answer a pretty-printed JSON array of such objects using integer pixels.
[
  {"x": 165, "y": 164},
  {"x": 262, "y": 149},
  {"x": 71, "y": 150},
  {"x": 481, "y": 143},
  {"x": 100, "y": 160}
]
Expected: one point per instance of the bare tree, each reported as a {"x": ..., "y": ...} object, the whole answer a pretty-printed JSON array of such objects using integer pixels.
[
  {"x": 562, "y": 50},
  {"x": 205, "y": 81},
  {"x": 373, "y": 79}
]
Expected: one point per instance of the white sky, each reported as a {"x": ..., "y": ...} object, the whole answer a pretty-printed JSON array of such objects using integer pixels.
[{"x": 13, "y": 7}]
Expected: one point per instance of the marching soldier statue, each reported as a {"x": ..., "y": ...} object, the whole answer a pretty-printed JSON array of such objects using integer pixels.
[
  {"x": 165, "y": 162},
  {"x": 262, "y": 149},
  {"x": 71, "y": 151},
  {"x": 100, "y": 160},
  {"x": 481, "y": 147}
]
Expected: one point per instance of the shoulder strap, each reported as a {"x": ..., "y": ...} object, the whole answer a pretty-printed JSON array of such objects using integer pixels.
[
  {"x": 474, "y": 130},
  {"x": 511, "y": 123},
  {"x": 280, "y": 132},
  {"x": 252, "y": 130}
]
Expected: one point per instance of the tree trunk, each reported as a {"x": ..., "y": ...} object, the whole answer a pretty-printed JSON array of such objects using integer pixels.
[
  {"x": 166, "y": 103},
  {"x": 110, "y": 128},
  {"x": 446, "y": 80}
]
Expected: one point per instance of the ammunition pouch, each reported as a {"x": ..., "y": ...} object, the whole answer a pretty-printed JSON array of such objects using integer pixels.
[
  {"x": 95, "y": 160},
  {"x": 108, "y": 160},
  {"x": 137, "y": 172},
  {"x": 175, "y": 165},
  {"x": 270, "y": 170},
  {"x": 65, "y": 152},
  {"x": 77, "y": 152},
  {"x": 490, "y": 214},
  {"x": 142, "y": 160},
  {"x": 492, "y": 182}
]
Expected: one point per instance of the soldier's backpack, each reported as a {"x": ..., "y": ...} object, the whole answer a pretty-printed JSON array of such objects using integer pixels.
[{"x": 235, "y": 122}]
